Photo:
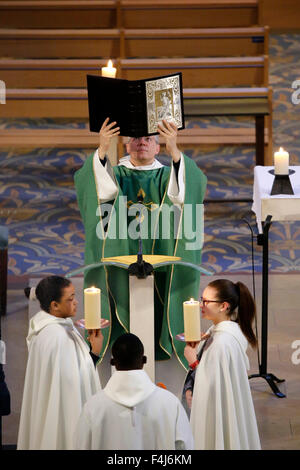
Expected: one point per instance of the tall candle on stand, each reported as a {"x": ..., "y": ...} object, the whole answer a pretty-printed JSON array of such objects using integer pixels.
[
  {"x": 109, "y": 71},
  {"x": 92, "y": 308},
  {"x": 191, "y": 317},
  {"x": 281, "y": 162}
]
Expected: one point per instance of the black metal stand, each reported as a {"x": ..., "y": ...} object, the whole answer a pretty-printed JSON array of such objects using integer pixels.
[
  {"x": 281, "y": 183},
  {"x": 140, "y": 269},
  {"x": 263, "y": 239}
]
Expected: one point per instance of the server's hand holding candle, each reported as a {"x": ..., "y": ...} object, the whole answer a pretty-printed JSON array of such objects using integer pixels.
[
  {"x": 281, "y": 162},
  {"x": 191, "y": 317},
  {"x": 92, "y": 308}
]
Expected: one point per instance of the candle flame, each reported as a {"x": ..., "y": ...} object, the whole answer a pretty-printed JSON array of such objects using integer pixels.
[
  {"x": 91, "y": 289},
  {"x": 110, "y": 64},
  {"x": 191, "y": 301}
]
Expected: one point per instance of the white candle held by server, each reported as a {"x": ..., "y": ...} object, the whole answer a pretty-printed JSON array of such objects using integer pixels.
[
  {"x": 191, "y": 317},
  {"x": 92, "y": 308}
]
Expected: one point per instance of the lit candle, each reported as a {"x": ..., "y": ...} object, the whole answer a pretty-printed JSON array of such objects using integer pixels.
[
  {"x": 92, "y": 308},
  {"x": 281, "y": 162},
  {"x": 109, "y": 71},
  {"x": 191, "y": 317}
]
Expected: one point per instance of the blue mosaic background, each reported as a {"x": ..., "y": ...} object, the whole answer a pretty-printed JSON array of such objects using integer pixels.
[{"x": 38, "y": 200}]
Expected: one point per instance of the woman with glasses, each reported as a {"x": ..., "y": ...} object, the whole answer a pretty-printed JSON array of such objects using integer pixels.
[{"x": 217, "y": 386}]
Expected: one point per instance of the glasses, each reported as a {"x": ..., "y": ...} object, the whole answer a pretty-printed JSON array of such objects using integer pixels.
[{"x": 206, "y": 301}]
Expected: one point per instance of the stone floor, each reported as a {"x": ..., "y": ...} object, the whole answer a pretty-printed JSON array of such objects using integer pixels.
[{"x": 278, "y": 418}]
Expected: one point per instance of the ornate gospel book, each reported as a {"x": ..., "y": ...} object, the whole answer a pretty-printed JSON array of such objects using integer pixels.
[{"x": 136, "y": 105}]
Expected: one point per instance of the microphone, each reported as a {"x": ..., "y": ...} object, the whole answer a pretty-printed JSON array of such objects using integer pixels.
[
  {"x": 140, "y": 269},
  {"x": 140, "y": 199}
]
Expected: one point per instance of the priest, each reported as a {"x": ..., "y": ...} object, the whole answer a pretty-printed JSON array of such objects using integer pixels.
[
  {"x": 131, "y": 413},
  {"x": 164, "y": 205}
]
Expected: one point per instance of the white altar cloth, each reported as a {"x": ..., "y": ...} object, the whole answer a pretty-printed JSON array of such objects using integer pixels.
[{"x": 282, "y": 206}]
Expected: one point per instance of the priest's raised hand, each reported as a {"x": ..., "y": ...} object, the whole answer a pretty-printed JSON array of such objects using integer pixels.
[
  {"x": 168, "y": 131},
  {"x": 107, "y": 131}
]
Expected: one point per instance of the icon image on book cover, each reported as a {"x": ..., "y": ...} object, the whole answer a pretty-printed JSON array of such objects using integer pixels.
[
  {"x": 164, "y": 101},
  {"x": 164, "y": 104}
]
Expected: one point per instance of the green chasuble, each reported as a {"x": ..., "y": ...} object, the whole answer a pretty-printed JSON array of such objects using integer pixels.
[{"x": 112, "y": 229}]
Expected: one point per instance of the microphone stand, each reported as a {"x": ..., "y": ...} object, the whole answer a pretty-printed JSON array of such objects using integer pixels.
[{"x": 141, "y": 269}]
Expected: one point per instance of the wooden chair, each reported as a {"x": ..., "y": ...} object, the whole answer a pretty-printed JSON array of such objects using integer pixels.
[
  {"x": 187, "y": 13},
  {"x": 196, "y": 72},
  {"x": 62, "y": 43},
  {"x": 198, "y": 102},
  {"x": 37, "y": 14},
  {"x": 128, "y": 13},
  {"x": 252, "y": 102},
  {"x": 194, "y": 42},
  {"x": 201, "y": 72},
  {"x": 126, "y": 43}
]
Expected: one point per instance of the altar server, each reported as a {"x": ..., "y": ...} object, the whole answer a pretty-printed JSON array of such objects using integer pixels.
[
  {"x": 60, "y": 374},
  {"x": 131, "y": 412},
  {"x": 222, "y": 414}
]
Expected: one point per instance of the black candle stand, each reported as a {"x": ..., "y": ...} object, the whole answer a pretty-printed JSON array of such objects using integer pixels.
[
  {"x": 271, "y": 379},
  {"x": 281, "y": 183}
]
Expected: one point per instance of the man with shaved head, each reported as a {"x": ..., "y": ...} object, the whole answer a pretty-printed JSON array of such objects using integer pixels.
[{"x": 131, "y": 412}]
